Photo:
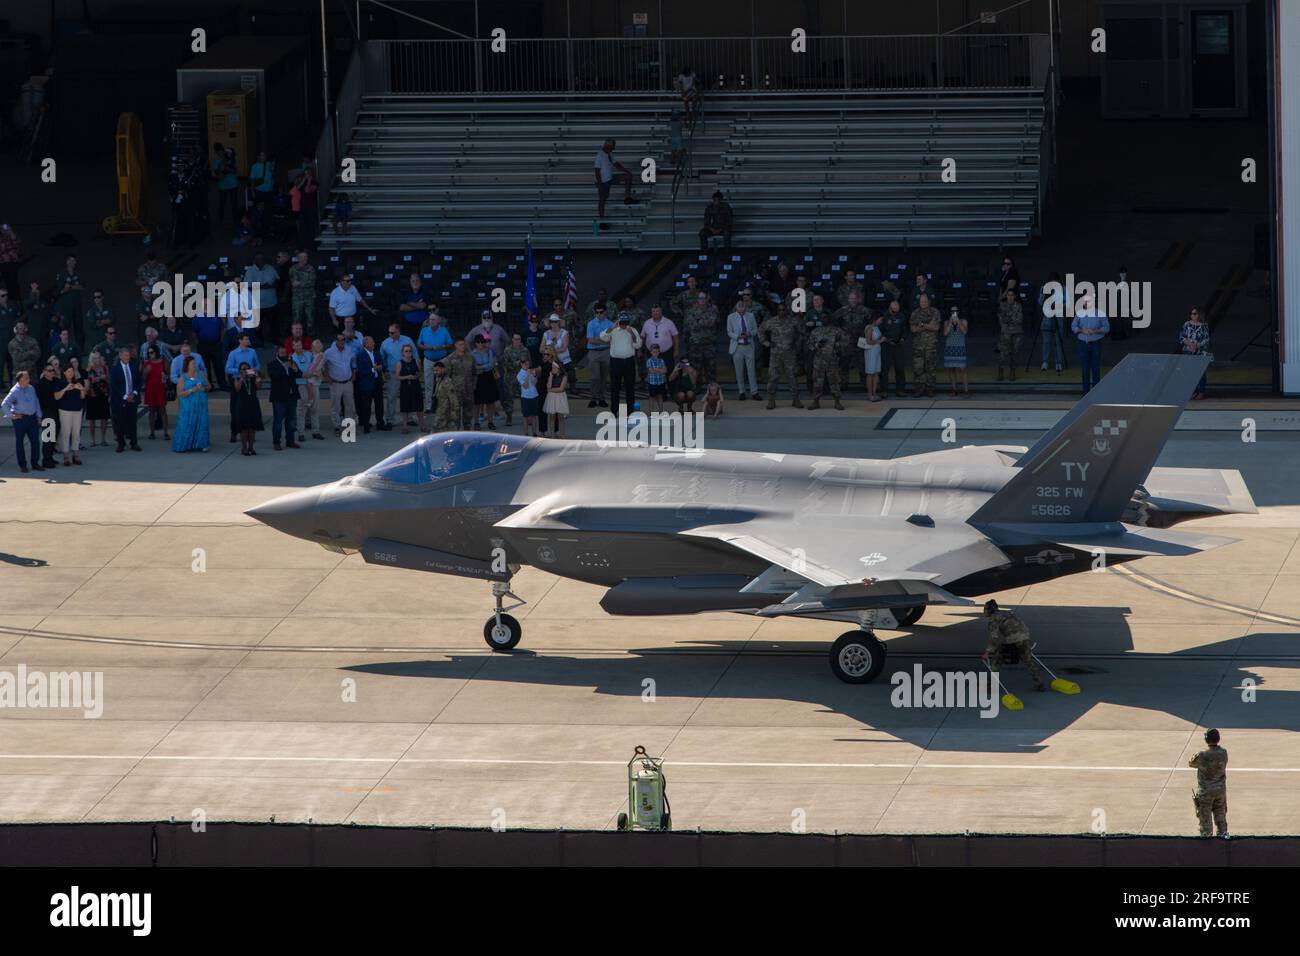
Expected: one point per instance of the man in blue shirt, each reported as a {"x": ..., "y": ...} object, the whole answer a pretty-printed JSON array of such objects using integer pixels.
[
  {"x": 244, "y": 353},
  {"x": 391, "y": 355},
  {"x": 207, "y": 330},
  {"x": 415, "y": 302},
  {"x": 340, "y": 367},
  {"x": 178, "y": 363},
  {"x": 1091, "y": 326},
  {"x": 23, "y": 408},
  {"x": 435, "y": 343},
  {"x": 598, "y": 357}
]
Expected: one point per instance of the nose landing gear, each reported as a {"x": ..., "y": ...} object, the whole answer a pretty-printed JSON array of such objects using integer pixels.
[{"x": 502, "y": 632}]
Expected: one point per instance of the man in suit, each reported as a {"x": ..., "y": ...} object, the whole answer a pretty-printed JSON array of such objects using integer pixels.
[
  {"x": 742, "y": 334},
  {"x": 370, "y": 370},
  {"x": 284, "y": 399},
  {"x": 124, "y": 399}
]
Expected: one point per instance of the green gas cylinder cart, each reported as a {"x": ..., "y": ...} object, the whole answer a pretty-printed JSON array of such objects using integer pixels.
[{"x": 647, "y": 794}]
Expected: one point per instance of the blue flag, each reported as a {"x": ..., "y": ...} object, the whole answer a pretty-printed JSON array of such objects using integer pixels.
[{"x": 530, "y": 290}]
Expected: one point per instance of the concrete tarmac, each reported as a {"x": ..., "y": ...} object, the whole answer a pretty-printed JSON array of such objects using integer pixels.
[{"x": 248, "y": 675}]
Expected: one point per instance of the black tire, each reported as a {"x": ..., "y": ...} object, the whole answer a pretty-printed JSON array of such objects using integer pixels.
[
  {"x": 857, "y": 657},
  {"x": 506, "y": 637},
  {"x": 907, "y": 616},
  {"x": 622, "y": 821}
]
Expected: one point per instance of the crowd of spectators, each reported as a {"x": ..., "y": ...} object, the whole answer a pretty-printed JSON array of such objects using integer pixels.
[{"x": 74, "y": 364}]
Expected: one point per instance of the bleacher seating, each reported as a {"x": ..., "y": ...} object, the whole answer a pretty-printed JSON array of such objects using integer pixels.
[{"x": 437, "y": 173}]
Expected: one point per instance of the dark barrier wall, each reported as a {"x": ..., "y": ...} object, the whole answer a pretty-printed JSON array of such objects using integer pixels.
[{"x": 230, "y": 844}]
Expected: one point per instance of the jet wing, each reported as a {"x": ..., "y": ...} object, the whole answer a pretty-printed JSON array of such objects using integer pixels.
[
  {"x": 834, "y": 551},
  {"x": 999, "y": 456}
]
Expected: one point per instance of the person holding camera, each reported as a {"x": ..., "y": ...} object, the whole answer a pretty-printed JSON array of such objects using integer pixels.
[
  {"x": 954, "y": 352},
  {"x": 682, "y": 383}
]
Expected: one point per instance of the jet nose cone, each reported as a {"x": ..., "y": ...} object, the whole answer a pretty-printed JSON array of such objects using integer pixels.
[{"x": 296, "y": 513}]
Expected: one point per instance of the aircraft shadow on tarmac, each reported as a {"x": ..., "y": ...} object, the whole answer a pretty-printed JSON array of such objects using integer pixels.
[{"x": 1195, "y": 685}]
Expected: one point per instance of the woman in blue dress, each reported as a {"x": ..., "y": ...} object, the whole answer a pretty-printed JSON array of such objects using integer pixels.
[{"x": 192, "y": 427}]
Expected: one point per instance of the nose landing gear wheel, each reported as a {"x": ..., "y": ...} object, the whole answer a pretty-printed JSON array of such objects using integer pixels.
[
  {"x": 504, "y": 634},
  {"x": 857, "y": 657}
]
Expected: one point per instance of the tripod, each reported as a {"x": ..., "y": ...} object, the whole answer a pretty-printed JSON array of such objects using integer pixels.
[{"x": 1060, "y": 344}]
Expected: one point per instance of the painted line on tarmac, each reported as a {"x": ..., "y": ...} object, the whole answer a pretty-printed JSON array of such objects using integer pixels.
[
  {"x": 774, "y": 765},
  {"x": 598, "y": 652},
  {"x": 1153, "y": 584}
]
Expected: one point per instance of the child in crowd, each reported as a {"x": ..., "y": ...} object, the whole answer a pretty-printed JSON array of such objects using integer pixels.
[
  {"x": 527, "y": 379},
  {"x": 713, "y": 400},
  {"x": 342, "y": 214},
  {"x": 656, "y": 376}
]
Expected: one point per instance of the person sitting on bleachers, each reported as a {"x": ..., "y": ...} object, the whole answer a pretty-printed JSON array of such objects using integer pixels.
[{"x": 718, "y": 221}]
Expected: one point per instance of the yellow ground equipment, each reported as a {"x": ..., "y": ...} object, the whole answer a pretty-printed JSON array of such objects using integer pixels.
[
  {"x": 1059, "y": 684},
  {"x": 1009, "y": 700},
  {"x": 132, "y": 180},
  {"x": 647, "y": 794}
]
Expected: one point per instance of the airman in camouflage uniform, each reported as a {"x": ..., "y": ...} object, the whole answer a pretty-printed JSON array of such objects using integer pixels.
[
  {"x": 24, "y": 351},
  {"x": 36, "y": 313},
  {"x": 800, "y": 285},
  {"x": 1011, "y": 327},
  {"x": 852, "y": 318},
  {"x": 448, "y": 416},
  {"x": 849, "y": 286},
  {"x": 512, "y": 358},
  {"x": 815, "y": 316},
  {"x": 302, "y": 287},
  {"x": 1211, "y": 794},
  {"x": 827, "y": 342},
  {"x": 925, "y": 346},
  {"x": 1006, "y": 629},
  {"x": 681, "y": 303},
  {"x": 460, "y": 369},
  {"x": 781, "y": 335},
  {"x": 98, "y": 318},
  {"x": 701, "y": 330}
]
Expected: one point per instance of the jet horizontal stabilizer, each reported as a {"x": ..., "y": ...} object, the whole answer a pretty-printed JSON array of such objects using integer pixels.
[{"x": 1146, "y": 542}]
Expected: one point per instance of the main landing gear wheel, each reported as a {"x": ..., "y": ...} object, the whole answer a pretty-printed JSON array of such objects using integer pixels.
[
  {"x": 907, "y": 616},
  {"x": 502, "y": 632},
  {"x": 857, "y": 657}
]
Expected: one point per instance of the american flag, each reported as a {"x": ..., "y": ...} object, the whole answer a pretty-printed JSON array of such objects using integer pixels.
[{"x": 570, "y": 287}]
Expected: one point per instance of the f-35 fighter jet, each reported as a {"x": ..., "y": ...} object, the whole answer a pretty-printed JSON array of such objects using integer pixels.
[{"x": 680, "y": 531}]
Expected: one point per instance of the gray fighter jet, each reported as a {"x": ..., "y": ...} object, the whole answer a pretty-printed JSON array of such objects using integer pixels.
[{"x": 680, "y": 531}]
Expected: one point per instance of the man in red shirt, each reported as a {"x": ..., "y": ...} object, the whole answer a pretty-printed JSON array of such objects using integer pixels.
[{"x": 296, "y": 335}]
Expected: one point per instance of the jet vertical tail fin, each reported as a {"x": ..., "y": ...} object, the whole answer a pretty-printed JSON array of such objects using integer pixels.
[
  {"x": 1086, "y": 468},
  {"x": 1089, "y": 473}
]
